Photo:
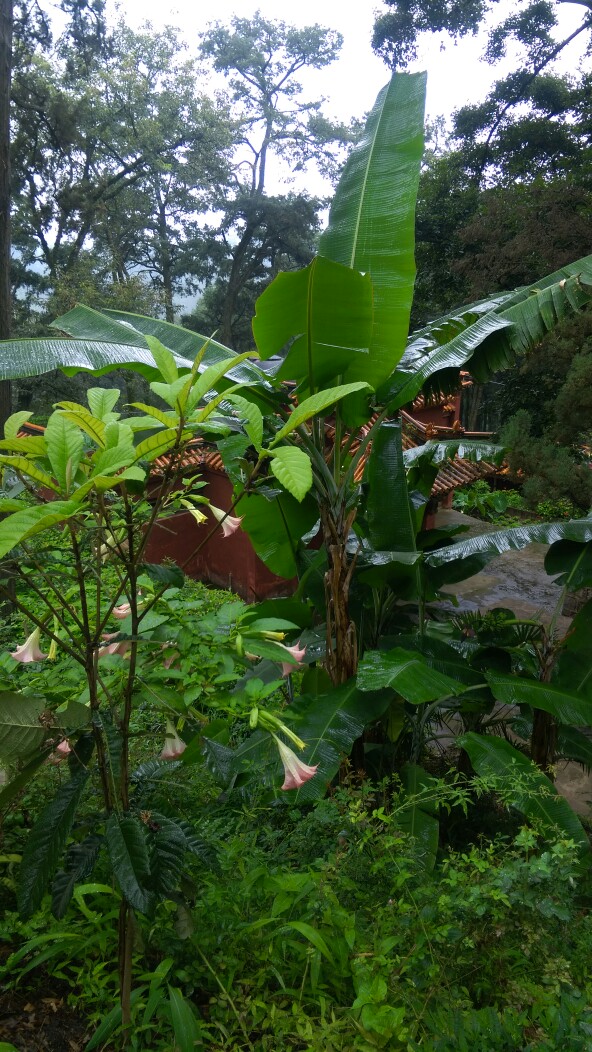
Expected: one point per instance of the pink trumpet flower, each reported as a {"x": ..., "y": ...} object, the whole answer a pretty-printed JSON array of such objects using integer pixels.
[
  {"x": 173, "y": 744},
  {"x": 297, "y": 653},
  {"x": 229, "y": 523},
  {"x": 30, "y": 649},
  {"x": 61, "y": 752},
  {"x": 296, "y": 772},
  {"x": 123, "y": 611},
  {"x": 120, "y": 648}
]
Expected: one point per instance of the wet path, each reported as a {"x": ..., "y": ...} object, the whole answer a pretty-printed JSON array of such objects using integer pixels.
[{"x": 518, "y": 580}]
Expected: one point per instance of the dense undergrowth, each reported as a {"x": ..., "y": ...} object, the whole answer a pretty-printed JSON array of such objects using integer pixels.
[{"x": 321, "y": 928}]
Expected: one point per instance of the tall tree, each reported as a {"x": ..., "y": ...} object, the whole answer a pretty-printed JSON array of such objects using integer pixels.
[
  {"x": 6, "y": 21},
  {"x": 261, "y": 61},
  {"x": 120, "y": 151}
]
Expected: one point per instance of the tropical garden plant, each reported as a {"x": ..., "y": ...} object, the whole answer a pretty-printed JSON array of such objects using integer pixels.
[{"x": 313, "y": 447}]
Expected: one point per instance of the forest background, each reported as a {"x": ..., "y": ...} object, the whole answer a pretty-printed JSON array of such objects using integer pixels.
[{"x": 166, "y": 177}]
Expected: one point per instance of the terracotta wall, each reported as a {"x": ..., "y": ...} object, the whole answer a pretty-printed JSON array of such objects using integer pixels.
[{"x": 226, "y": 562}]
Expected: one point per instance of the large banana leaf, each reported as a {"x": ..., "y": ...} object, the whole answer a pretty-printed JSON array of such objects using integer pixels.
[
  {"x": 324, "y": 314},
  {"x": 573, "y": 668},
  {"x": 103, "y": 341},
  {"x": 275, "y": 527},
  {"x": 455, "y": 562},
  {"x": 487, "y": 336},
  {"x": 525, "y": 787},
  {"x": 567, "y": 706},
  {"x": 372, "y": 218},
  {"x": 391, "y": 524}
]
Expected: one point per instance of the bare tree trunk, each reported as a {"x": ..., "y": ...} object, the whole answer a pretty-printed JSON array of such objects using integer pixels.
[
  {"x": 5, "y": 78},
  {"x": 342, "y": 649}
]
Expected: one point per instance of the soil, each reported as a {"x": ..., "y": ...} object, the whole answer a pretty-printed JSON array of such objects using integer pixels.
[{"x": 40, "y": 1020}]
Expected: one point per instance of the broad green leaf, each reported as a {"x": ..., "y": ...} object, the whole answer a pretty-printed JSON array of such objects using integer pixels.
[
  {"x": 29, "y": 468},
  {"x": 372, "y": 218},
  {"x": 312, "y": 935},
  {"x": 408, "y": 674},
  {"x": 128, "y": 850},
  {"x": 21, "y": 731},
  {"x": 32, "y": 445},
  {"x": 390, "y": 517},
  {"x": 567, "y": 707},
  {"x": 157, "y": 444},
  {"x": 252, "y": 416},
  {"x": 46, "y": 842},
  {"x": 488, "y": 335},
  {"x": 454, "y": 562},
  {"x": 166, "y": 419},
  {"x": 102, "y": 400},
  {"x": 326, "y": 310},
  {"x": 15, "y": 422},
  {"x": 314, "y": 405},
  {"x": 187, "y": 1031},
  {"x": 165, "y": 361},
  {"x": 209, "y": 379},
  {"x": 573, "y": 669},
  {"x": 23, "y": 524},
  {"x": 526, "y": 787},
  {"x": 291, "y": 466},
  {"x": 186, "y": 345},
  {"x": 171, "y": 393},
  {"x": 80, "y": 415},
  {"x": 80, "y": 862},
  {"x": 573, "y": 561},
  {"x": 64, "y": 444},
  {"x": 275, "y": 527}
]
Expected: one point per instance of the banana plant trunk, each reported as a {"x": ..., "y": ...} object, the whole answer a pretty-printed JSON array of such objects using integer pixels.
[{"x": 342, "y": 647}]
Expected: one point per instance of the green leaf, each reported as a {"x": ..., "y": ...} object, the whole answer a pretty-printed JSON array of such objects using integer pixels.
[
  {"x": 326, "y": 310},
  {"x": 275, "y": 528},
  {"x": 315, "y": 405},
  {"x": 15, "y": 422},
  {"x": 567, "y": 707},
  {"x": 330, "y": 724},
  {"x": 21, "y": 731},
  {"x": 209, "y": 379},
  {"x": 524, "y": 785},
  {"x": 166, "y": 419},
  {"x": 572, "y": 561},
  {"x": 392, "y": 526},
  {"x": 454, "y": 562},
  {"x": 128, "y": 850},
  {"x": 488, "y": 335},
  {"x": 46, "y": 842},
  {"x": 157, "y": 444},
  {"x": 252, "y": 416},
  {"x": 64, "y": 444},
  {"x": 23, "y": 524},
  {"x": 187, "y": 1031},
  {"x": 27, "y": 467},
  {"x": 165, "y": 575},
  {"x": 102, "y": 401},
  {"x": 165, "y": 361},
  {"x": 291, "y": 466},
  {"x": 312, "y": 935},
  {"x": 408, "y": 674},
  {"x": 372, "y": 218},
  {"x": 80, "y": 862},
  {"x": 79, "y": 414},
  {"x": 415, "y": 814}
]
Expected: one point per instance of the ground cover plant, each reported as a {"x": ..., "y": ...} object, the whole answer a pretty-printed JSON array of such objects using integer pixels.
[{"x": 376, "y": 670}]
